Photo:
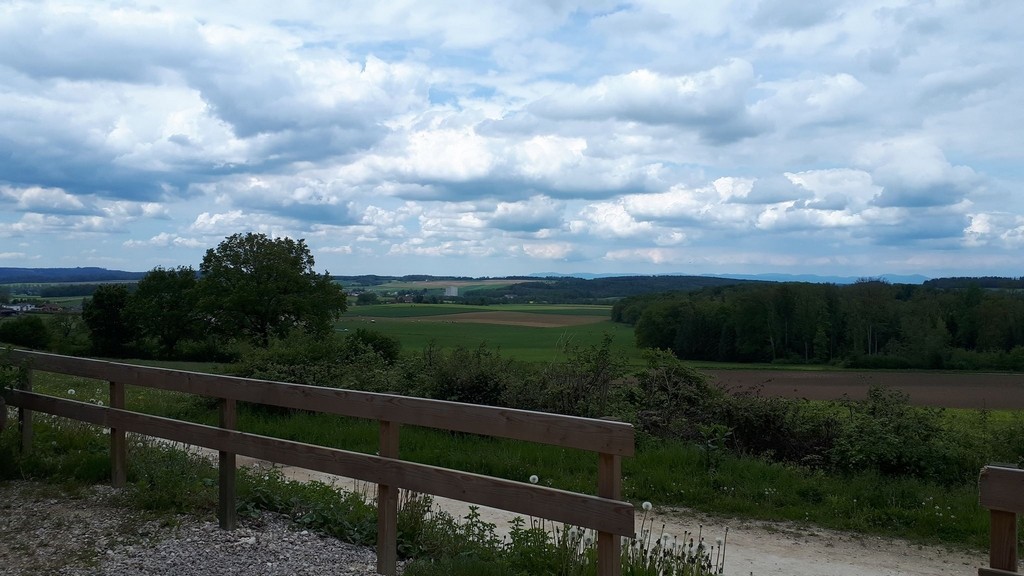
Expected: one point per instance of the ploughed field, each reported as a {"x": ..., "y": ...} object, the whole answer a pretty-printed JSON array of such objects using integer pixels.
[{"x": 939, "y": 389}]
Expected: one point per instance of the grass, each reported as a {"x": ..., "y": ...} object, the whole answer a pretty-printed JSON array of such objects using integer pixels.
[
  {"x": 526, "y": 343},
  {"x": 668, "y": 473},
  {"x": 420, "y": 310}
]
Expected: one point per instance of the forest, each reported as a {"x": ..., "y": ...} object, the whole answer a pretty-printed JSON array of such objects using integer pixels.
[{"x": 868, "y": 324}]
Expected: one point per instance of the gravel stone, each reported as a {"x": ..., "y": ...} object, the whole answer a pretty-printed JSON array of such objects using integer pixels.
[{"x": 45, "y": 529}]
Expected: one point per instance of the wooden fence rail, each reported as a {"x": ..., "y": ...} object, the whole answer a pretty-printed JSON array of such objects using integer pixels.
[
  {"x": 605, "y": 512},
  {"x": 1001, "y": 490}
]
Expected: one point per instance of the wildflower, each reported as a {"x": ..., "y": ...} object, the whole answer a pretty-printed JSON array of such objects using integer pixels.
[
  {"x": 646, "y": 506},
  {"x": 71, "y": 391},
  {"x": 534, "y": 479}
]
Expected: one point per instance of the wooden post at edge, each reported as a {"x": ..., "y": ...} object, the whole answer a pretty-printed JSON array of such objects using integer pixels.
[
  {"x": 387, "y": 506},
  {"x": 1003, "y": 550},
  {"x": 227, "y": 511},
  {"x": 609, "y": 485}
]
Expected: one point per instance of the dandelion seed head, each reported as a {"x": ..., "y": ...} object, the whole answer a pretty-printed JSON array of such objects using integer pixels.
[
  {"x": 646, "y": 506},
  {"x": 534, "y": 479}
]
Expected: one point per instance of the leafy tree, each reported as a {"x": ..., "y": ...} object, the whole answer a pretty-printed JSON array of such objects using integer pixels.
[
  {"x": 387, "y": 347},
  {"x": 367, "y": 298},
  {"x": 27, "y": 331},
  {"x": 258, "y": 287},
  {"x": 104, "y": 314},
  {"x": 164, "y": 308}
]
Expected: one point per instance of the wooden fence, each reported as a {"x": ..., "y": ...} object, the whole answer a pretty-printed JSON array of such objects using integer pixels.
[
  {"x": 605, "y": 513},
  {"x": 1001, "y": 490}
]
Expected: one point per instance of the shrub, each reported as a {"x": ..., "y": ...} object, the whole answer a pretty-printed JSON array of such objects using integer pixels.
[
  {"x": 476, "y": 376},
  {"x": 28, "y": 331},
  {"x": 884, "y": 433}
]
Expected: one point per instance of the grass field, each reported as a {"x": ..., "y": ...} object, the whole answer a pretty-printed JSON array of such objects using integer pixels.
[
  {"x": 533, "y": 333},
  {"x": 438, "y": 286}
]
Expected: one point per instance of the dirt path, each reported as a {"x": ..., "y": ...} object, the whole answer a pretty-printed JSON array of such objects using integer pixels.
[{"x": 752, "y": 547}]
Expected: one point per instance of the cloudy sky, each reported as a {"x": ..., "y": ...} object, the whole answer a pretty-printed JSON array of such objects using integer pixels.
[{"x": 493, "y": 138}]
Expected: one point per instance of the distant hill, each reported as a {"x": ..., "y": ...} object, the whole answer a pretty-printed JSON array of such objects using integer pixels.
[
  {"x": 566, "y": 289},
  {"x": 812, "y": 278},
  {"x": 816, "y": 279},
  {"x": 50, "y": 275}
]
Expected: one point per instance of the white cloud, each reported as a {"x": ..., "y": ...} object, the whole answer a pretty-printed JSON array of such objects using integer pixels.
[
  {"x": 664, "y": 135},
  {"x": 44, "y": 200},
  {"x": 712, "y": 102},
  {"x": 914, "y": 171}
]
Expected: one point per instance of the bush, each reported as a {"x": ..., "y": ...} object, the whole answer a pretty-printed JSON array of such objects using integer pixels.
[
  {"x": 476, "y": 376},
  {"x": 387, "y": 347},
  {"x": 28, "y": 331},
  {"x": 886, "y": 434}
]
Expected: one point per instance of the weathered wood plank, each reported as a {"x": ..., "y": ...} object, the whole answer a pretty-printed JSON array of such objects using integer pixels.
[
  {"x": 609, "y": 485},
  {"x": 601, "y": 514},
  {"x": 25, "y": 416},
  {"x": 1001, "y": 489},
  {"x": 227, "y": 512},
  {"x": 1002, "y": 553},
  {"x": 118, "y": 442},
  {"x": 571, "y": 432},
  {"x": 387, "y": 506}
]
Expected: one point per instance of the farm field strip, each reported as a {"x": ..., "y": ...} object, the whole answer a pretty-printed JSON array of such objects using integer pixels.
[
  {"x": 989, "y": 391},
  {"x": 416, "y": 310}
]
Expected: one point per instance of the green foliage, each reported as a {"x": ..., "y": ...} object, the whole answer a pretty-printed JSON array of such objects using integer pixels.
[
  {"x": 869, "y": 324},
  {"x": 671, "y": 399},
  {"x": 583, "y": 384},
  {"x": 473, "y": 375},
  {"x": 886, "y": 434},
  {"x": 29, "y": 331},
  {"x": 110, "y": 329},
  {"x": 164, "y": 310},
  {"x": 257, "y": 287},
  {"x": 69, "y": 334},
  {"x": 367, "y": 299},
  {"x": 387, "y": 347}
]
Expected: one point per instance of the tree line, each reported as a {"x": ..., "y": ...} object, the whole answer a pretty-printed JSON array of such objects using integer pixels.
[
  {"x": 870, "y": 323},
  {"x": 247, "y": 291}
]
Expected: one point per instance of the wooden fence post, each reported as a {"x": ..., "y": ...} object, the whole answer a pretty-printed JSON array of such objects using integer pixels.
[
  {"x": 227, "y": 511},
  {"x": 1002, "y": 553},
  {"x": 609, "y": 485},
  {"x": 387, "y": 505},
  {"x": 25, "y": 416},
  {"x": 118, "y": 444}
]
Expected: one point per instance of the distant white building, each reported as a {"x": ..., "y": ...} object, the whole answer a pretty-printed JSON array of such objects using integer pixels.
[{"x": 451, "y": 291}]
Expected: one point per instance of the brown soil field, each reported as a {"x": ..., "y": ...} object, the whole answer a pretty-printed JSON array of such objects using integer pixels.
[
  {"x": 513, "y": 319},
  {"x": 939, "y": 389}
]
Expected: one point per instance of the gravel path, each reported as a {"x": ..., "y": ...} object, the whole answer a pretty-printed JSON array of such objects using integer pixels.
[{"x": 47, "y": 530}]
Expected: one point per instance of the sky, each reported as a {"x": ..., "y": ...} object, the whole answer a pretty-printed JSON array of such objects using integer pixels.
[{"x": 499, "y": 138}]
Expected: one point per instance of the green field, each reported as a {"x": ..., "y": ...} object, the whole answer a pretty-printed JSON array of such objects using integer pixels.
[
  {"x": 417, "y": 310},
  {"x": 528, "y": 343}
]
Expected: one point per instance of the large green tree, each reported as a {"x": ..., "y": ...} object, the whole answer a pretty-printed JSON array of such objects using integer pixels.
[
  {"x": 104, "y": 314},
  {"x": 164, "y": 307},
  {"x": 258, "y": 287}
]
